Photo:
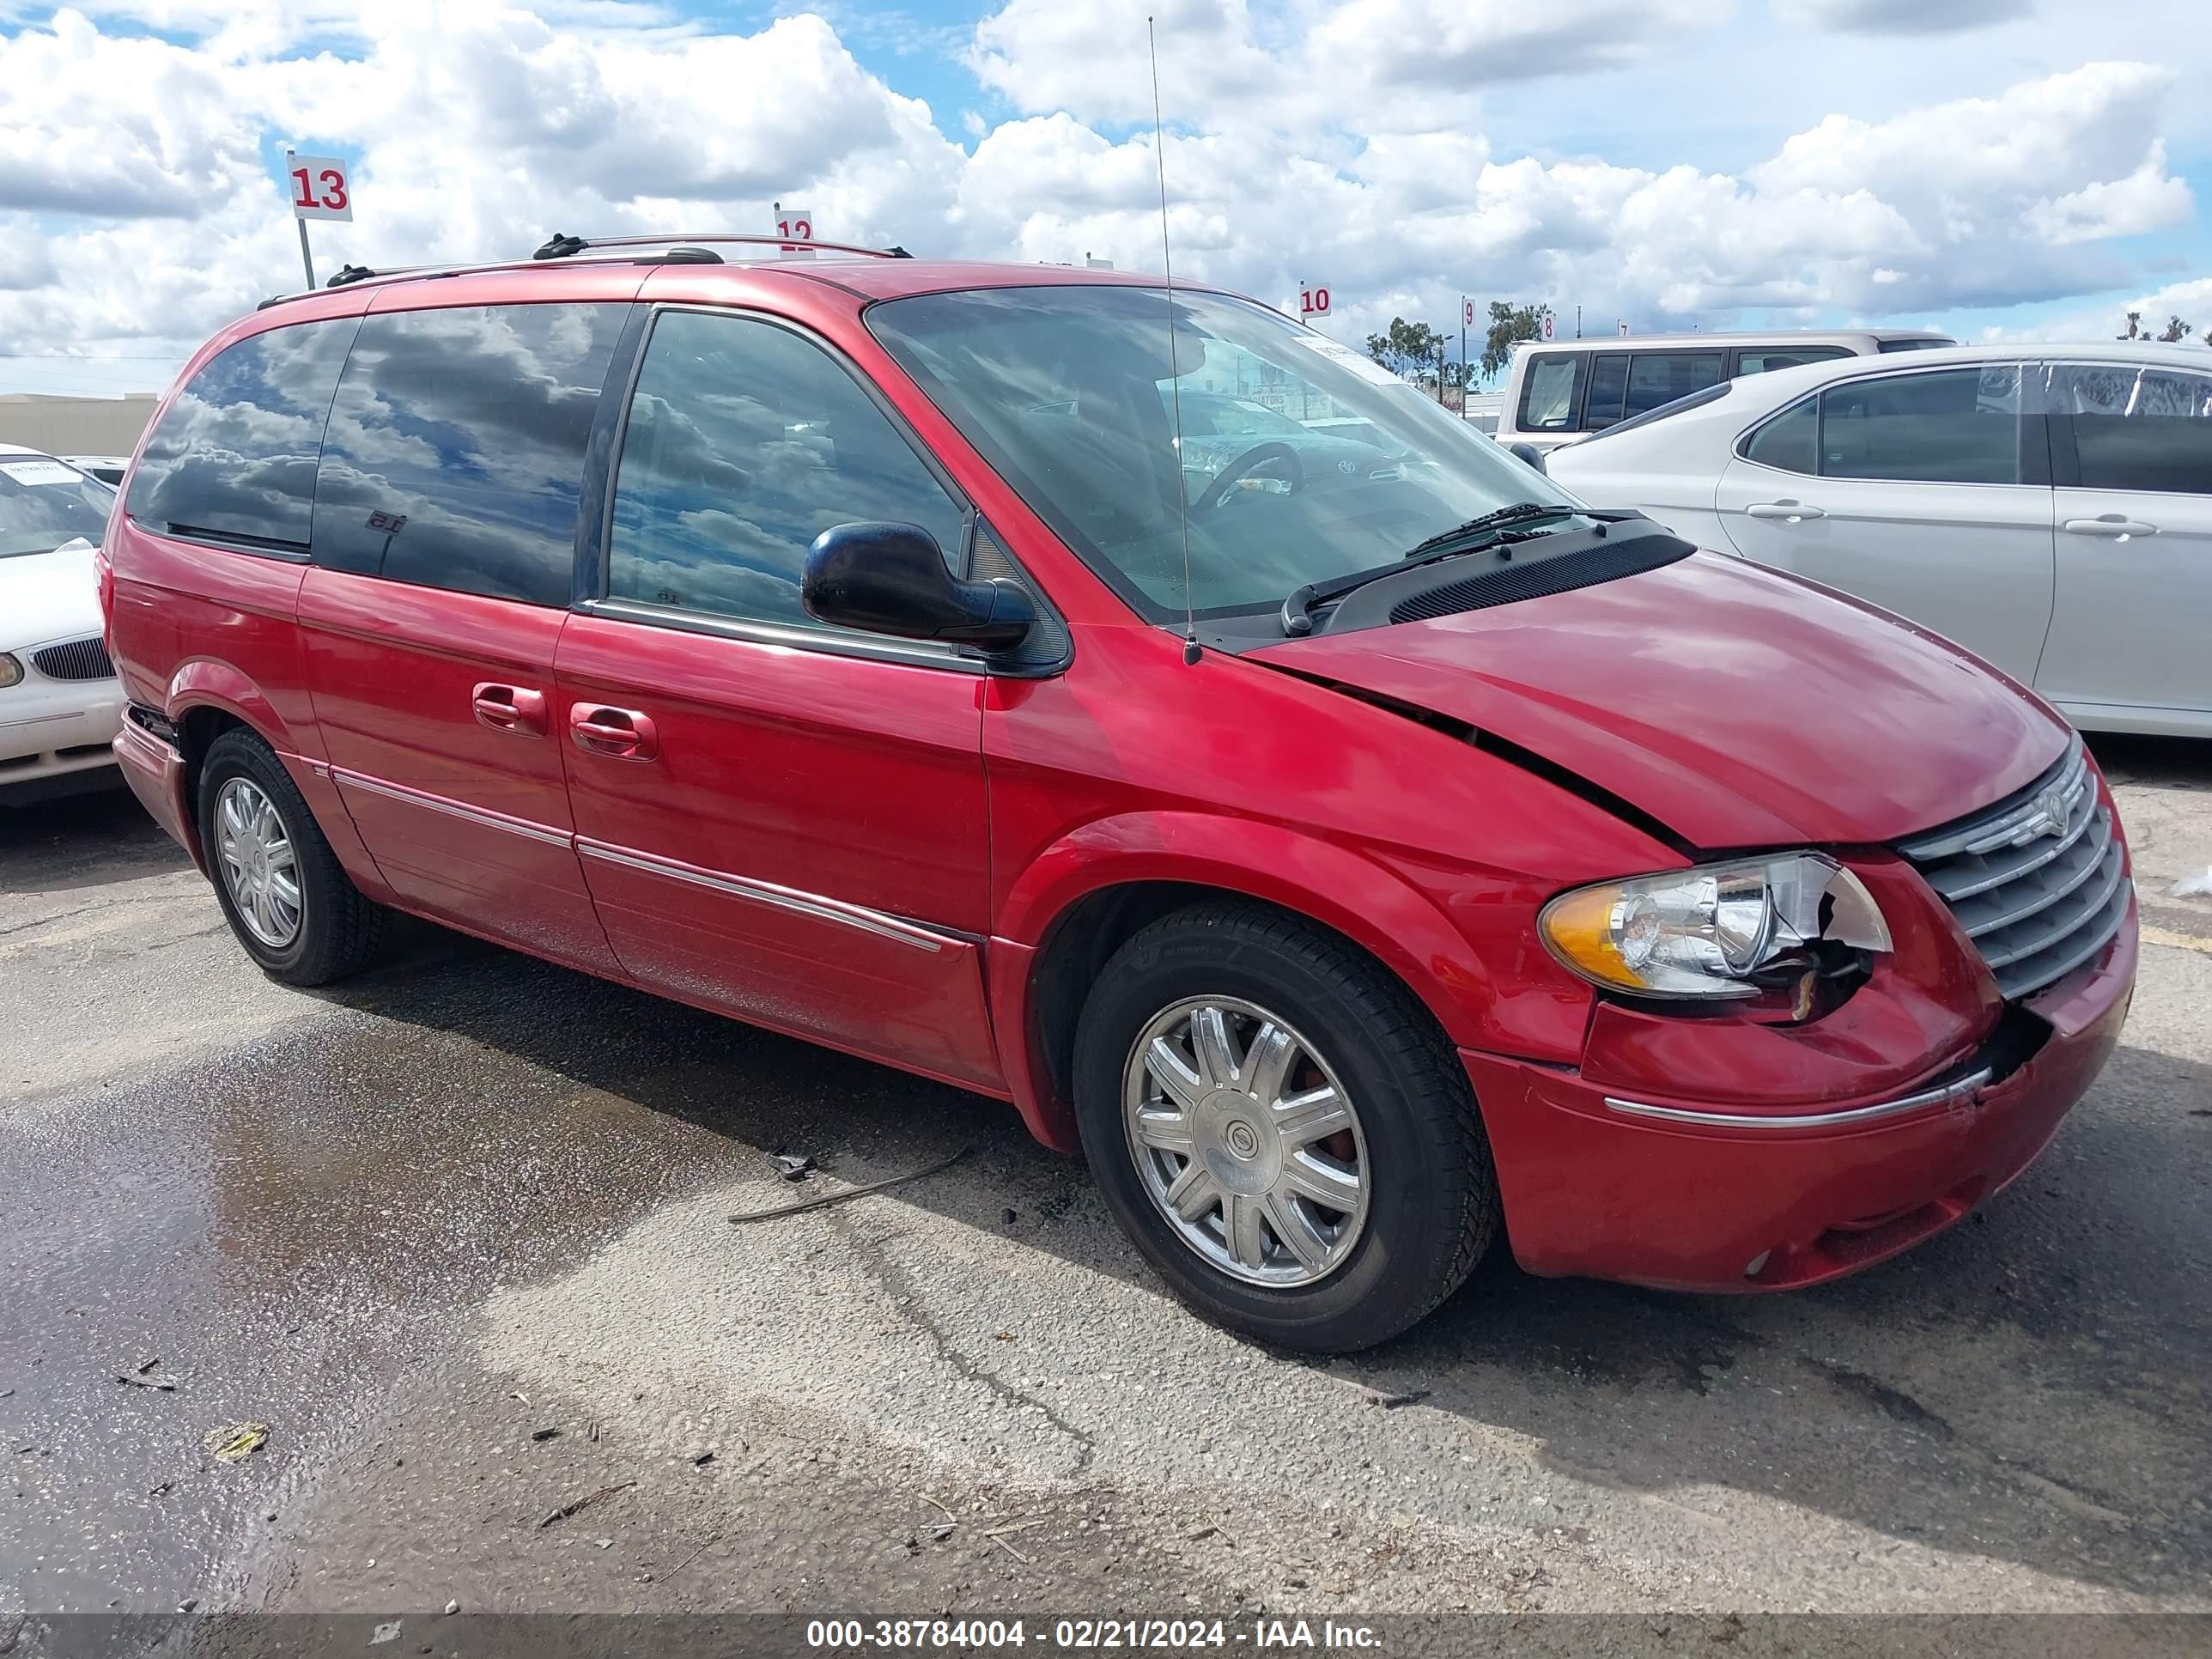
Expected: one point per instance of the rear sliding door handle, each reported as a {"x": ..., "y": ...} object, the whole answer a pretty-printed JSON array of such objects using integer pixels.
[
  {"x": 509, "y": 708},
  {"x": 2113, "y": 525},
  {"x": 618, "y": 733},
  {"x": 1791, "y": 511}
]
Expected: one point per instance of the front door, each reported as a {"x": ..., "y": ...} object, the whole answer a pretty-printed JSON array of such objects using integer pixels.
[
  {"x": 776, "y": 819},
  {"x": 1926, "y": 492},
  {"x": 2132, "y": 450},
  {"x": 444, "y": 547}
]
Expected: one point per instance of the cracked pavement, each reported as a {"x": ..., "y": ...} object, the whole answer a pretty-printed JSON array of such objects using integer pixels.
[{"x": 414, "y": 1223}]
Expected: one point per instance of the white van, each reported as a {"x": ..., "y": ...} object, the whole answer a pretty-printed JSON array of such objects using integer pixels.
[{"x": 1559, "y": 391}]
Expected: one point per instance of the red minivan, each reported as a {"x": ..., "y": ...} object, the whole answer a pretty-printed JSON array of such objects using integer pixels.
[{"x": 1130, "y": 704}]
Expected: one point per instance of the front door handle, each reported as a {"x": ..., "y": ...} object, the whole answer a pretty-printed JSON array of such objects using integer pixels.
[
  {"x": 509, "y": 708},
  {"x": 618, "y": 733},
  {"x": 2118, "y": 526},
  {"x": 1789, "y": 510}
]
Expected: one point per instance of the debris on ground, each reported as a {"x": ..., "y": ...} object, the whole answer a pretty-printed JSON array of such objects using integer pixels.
[
  {"x": 1391, "y": 1402},
  {"x": 586, "y": 1502},
  {"x": 147, "y": 1365},
  {"x": 1009, "y": 1215},
  {"x": 2195, "y": 886},
  {"x": 384, "y": 1633},
  {"x": 701, "y": 1458},
  {"x": 804, "y": 1205},
  {"x": 234, "y": 1442},
  {"x": 793, "y": 1166},
  {"x": 548, "y": 1432},
  {"x": 453, "y": 1606},
  {"x": 138, "y": 1382}
]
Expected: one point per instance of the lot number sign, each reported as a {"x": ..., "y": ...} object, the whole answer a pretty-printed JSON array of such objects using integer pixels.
[{"x": 321, "y": 188}]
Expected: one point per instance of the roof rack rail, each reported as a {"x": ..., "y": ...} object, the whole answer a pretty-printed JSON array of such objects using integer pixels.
[
  {"x": 559, "y": 246},
  {"x": 680, "y": 251}
]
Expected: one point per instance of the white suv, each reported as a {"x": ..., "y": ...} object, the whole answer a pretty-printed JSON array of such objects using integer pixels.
[{"x": 1558, "y": 390}]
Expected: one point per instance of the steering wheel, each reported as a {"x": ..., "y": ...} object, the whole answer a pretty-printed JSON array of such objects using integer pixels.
[{"x": 1251, "y": 460}]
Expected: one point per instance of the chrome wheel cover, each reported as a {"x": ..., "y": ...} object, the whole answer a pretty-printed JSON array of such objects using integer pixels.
[
  {"x": 1246, "y": 1141},
  {"x": 259, "y": 869}
]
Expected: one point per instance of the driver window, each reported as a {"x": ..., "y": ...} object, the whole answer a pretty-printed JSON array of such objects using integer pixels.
[{"x": 745, "y": 442}]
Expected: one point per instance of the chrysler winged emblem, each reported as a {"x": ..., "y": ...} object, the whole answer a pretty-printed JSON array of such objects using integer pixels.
[{"x": 2050, "y": 817}]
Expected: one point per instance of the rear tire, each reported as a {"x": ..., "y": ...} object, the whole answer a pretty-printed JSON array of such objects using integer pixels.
[
  {"x": 286, "y": 898},
  {"x": 1412, "y": 1202}
]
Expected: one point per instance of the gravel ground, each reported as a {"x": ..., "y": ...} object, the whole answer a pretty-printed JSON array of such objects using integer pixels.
[{"x": 457, "y": 1233}]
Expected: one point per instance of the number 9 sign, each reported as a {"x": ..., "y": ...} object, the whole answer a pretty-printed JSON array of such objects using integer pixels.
[{"x": 320, "y": 187}]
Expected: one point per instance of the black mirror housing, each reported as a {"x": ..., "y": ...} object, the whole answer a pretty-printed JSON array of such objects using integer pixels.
[
  {"x": 891, "y": 578},
  {"x": 1527, "y": 454}
]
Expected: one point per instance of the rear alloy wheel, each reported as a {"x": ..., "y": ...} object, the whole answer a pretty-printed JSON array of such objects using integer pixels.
[
  {"x": 281, "y": 888},
  {"x": 1281, "y": 1128},
  {"x": 254, "y": 856}
]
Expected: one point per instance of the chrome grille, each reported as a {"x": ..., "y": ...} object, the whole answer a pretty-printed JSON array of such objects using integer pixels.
[
  {"x": 75, "y": 659},
  {"x": 2036, "y": 880}
]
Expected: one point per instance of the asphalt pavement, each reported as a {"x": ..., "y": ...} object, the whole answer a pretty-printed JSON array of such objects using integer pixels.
[{"x": 458, "y": 1235}]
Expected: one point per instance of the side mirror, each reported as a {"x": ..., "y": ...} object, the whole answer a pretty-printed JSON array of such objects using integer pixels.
[
  {"x": 1527, "y": 454},
  {"x": 891, "y": 578}
]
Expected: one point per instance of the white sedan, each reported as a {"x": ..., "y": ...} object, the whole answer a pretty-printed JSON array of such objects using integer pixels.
[
  {"x": 2049, "y": 508},
  {"x": 60, "y": 702}
]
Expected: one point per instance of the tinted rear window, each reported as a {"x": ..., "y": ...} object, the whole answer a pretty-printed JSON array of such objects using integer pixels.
[
  {"x": 455, "y": 455},
  {"x": 1916, "y": 345},
  {"x": 2138, "y": 429},
  {"x": 234, "y": 456}
]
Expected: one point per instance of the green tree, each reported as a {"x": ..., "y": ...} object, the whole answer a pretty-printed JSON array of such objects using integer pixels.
[
  {"x": 1407, "y": 349},
  {"x": 2176, "y": 331},
  {"x": 1509, "y": 325}
]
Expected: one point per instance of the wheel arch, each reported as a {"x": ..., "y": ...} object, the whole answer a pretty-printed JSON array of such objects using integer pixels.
[{"x": 1073, "y": 907}]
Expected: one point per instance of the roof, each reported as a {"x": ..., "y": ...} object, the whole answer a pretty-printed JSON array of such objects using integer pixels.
[
  {"x": 1736, "y": 336},
  {"x": 25, "y": 449},
  {"x": 869, "y": 277}
]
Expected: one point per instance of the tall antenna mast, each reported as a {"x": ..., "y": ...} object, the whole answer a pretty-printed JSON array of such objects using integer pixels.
[{"x": 1174, "y": 371}]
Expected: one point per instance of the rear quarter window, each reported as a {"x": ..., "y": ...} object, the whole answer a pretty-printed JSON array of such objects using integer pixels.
[
  {"x": 455, "y": 453},
  {"x": 1547, "y": 393},
  {"x": 233, "y": 458}
]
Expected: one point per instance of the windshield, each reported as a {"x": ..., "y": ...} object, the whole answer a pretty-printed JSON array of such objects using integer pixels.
[
  {"x": 1069, "y": 393},
  {"x": 44, "y": 503}
]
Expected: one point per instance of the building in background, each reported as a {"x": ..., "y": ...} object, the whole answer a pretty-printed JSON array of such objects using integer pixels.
[{"x": 76, "y": 426}]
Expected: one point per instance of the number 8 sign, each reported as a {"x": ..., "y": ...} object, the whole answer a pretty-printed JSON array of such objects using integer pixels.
[{"x": 320, "y": 186}]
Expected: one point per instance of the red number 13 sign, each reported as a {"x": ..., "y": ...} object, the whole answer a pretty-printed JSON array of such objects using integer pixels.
[{"x": 320, "y": 187}]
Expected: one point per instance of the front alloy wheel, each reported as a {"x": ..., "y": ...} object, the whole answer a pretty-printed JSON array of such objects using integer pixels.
[
  {"x": 1280, "y": 1127},
  {"x": 1246, "y": 1140}
]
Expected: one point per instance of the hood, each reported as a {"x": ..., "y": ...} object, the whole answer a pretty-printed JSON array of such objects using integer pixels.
[
  {"x": 49, "y": 595},
  {"x": 1737, "y": 705}
]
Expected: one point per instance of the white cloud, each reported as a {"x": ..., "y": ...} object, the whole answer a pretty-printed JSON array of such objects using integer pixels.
[
  {"x": 1340, "y": 144},
  {"x": 2146, "y": 200},
  {"x": 1904, "y": 16}
]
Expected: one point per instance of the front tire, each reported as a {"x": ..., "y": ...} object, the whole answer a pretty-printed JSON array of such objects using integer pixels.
[
  {"x": 286, "y": 896},
  {"x": 1281, "y": 1129}
]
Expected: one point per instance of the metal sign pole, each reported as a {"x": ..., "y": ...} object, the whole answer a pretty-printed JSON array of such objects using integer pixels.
[
  {"x": 306, "y": 259},
  {"x": 1462, "y": 357}
]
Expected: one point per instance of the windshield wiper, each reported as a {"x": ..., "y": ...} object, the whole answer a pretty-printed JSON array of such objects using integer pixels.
[
  {"x": 1518, "y": 512},
  {"x": 1491, "y": 530}
]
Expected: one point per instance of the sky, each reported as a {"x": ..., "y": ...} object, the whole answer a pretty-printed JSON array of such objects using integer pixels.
[{"x": 2002, "y": 169}]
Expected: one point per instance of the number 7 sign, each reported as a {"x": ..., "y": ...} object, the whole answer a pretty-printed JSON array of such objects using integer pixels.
[{"x": 320, "y": 186}]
